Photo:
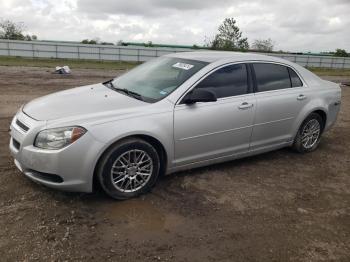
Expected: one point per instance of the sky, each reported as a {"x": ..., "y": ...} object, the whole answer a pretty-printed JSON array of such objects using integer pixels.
[{"x": 293, "y": 25}]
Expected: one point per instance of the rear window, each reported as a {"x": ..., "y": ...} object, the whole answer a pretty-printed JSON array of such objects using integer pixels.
[
  {"x": 271, "y": 77},
  {"x": 294, "y": 78}
]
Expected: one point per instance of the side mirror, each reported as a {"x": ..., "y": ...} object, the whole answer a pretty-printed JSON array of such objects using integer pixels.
[{"x": 199, "y": 95}]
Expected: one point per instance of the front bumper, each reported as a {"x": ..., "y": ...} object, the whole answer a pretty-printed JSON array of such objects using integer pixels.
[{"x": 70, "y": 168}]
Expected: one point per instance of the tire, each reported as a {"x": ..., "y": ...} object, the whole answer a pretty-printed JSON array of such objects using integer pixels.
[
  {"x": 123, "y": 168},
  {"x": 313, "y": 124}
]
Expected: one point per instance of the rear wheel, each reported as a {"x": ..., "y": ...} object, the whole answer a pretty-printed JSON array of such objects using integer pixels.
[
  {"x": 309, "y": 134},
  {"x": 129, "y": 169}
]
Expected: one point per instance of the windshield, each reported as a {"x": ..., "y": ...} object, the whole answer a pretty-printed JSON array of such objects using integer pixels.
[{"x": 156, "y": 79}]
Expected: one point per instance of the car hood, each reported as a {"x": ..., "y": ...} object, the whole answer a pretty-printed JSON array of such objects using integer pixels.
[{"x": 84, "y": 100}]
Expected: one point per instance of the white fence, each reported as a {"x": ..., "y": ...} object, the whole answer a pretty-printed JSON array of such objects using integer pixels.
[{"x": 39, "y": 49}]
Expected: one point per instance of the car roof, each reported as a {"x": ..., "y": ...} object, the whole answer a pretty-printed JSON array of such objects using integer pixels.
[
  {"x": 214, "y": 56},
  {"x": 228, "y": 57}
]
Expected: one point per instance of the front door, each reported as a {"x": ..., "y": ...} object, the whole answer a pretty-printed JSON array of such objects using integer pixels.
[{"x": 209, "y": 130}]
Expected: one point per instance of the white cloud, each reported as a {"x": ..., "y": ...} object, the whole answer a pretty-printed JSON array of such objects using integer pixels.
[{"x": 300, "y": 25}]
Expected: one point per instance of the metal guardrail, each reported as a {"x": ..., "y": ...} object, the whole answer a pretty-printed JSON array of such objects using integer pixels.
[{"x": 39, "y": 49}]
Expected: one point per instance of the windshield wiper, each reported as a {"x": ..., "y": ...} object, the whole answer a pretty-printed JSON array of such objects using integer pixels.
[{"x": 126, "y": 91}]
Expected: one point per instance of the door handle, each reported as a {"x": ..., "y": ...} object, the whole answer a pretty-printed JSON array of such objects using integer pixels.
[
  {"x": 245, "y": 105},
  {"x": 301, "y": 97}
]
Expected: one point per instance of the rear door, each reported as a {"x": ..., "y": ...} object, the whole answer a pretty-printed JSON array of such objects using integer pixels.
[
  {"x": 210, "y": 130},
  {"x": 280, "y": 96}
]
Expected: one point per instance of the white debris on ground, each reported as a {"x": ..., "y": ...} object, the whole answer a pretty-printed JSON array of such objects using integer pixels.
[{"x": 64, "y": 70}]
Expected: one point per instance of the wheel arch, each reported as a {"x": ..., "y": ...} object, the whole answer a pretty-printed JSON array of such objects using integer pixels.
[
  {"x": 318, "y": 110},
  {"x": 163, "y": 155},
  {"x": 322, "y": 113}
]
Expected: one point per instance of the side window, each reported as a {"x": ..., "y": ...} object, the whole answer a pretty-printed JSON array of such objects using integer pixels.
[
  {"x": 227, "y": 81},
  {"x": 271, "y": 77},
  {"x": 294, "y": 78}
]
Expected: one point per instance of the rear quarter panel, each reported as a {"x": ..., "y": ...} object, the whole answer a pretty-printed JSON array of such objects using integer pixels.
[{"x": 324, "y": 97}]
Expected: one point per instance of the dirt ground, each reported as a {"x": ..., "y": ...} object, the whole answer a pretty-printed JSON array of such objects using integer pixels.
[{"x": 279, "y": 206}]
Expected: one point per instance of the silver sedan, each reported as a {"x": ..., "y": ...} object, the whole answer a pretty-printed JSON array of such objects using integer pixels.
[{"x": 176, "y": 112}]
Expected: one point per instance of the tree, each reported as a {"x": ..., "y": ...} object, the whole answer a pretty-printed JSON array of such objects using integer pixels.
[
  {"x": 229, "y": 37},
  {"x": 90, "y": 42},
  {"x": 195, "y": 47},
  {"x": 14, "y": 31},
  {"x": 106, "y": 43},
  {"x": 30, "y": 38},
  {"x": 11, "y": 30},
  {"x": 341, "y": 53},
  {"x": 149, "y": 44},
  {"x": 265, "y": 45}
]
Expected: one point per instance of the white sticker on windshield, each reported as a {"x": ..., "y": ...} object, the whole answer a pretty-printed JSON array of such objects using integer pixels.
[{"x": 183, "y": 66}]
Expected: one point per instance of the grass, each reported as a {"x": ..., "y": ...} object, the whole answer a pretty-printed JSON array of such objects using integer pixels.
[
  {"x": 330, "y": 72},
  {"x": 72, "y": 63},
  {"x": 115, "y": 65}
]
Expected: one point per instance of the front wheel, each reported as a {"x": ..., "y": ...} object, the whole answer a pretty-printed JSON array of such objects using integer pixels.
[
  {"x": 309, "y": 134},
  {"x": 129, "y": 169}
]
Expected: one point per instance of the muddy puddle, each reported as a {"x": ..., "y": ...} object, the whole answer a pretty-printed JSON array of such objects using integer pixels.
[{"x": 137, "y": 217}]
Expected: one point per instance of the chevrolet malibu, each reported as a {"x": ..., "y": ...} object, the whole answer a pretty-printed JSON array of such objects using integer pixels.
[{"x": 176, "y": 112}]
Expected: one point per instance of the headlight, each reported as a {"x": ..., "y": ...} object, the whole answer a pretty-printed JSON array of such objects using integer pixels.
[{"x": 57, "y": 138}]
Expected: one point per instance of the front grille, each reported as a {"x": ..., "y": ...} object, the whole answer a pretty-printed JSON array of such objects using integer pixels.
[
  {"x": 22, "y": 126},
  {"x": 16, "y": 144}
]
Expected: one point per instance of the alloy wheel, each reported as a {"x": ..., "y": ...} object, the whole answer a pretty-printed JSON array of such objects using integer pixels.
[
  {"x": 310, "y": 133},
  {"x": 132, "y": 170}
]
